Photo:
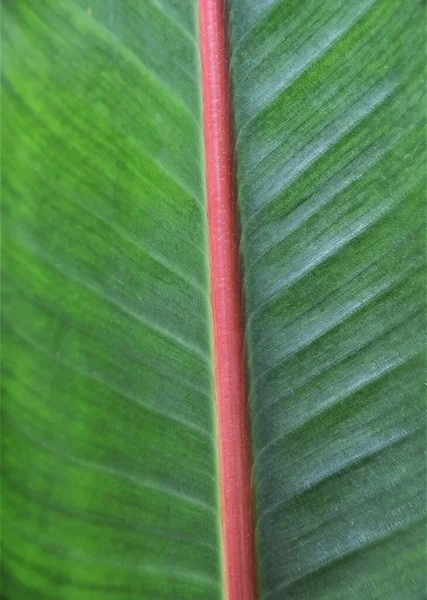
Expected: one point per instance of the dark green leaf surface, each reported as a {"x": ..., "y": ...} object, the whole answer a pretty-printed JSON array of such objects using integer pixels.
[
  {"x": 330, "y": 128},
  {"x": 109, "y": 452}
]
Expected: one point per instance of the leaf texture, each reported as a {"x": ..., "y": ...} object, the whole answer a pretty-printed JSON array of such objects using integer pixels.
[
  {"x": 109, "y": 470},
  {"x": 329, "y": 102},
  {"x": 109, "y": 448}
]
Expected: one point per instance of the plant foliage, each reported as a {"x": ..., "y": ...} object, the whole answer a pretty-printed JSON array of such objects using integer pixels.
[{"x": 109, "y": 465}]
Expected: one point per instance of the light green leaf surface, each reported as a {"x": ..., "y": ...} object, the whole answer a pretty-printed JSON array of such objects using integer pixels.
[
  {"x": 109, "y": 444},
  {"x": 330, "y": 128}
]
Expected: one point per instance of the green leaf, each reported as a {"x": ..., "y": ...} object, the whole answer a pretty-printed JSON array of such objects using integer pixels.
[
  {"x": 109, "y": 463},
  {"x": 109, "y": 451},
  {"x": 330, "y": 129}
]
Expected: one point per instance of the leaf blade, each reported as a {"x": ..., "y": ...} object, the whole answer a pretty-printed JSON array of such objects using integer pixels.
[
  {"x": 110, "y": 482},
  {"x": 330, "y": 156}
]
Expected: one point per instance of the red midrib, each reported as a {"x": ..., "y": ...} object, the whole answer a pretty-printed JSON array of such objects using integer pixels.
[{"x": 226, "y": 290}]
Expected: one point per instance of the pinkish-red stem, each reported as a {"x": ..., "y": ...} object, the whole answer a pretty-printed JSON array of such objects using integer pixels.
[{"x": 226, "y": 290}]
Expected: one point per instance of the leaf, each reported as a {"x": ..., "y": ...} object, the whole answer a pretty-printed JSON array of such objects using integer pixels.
[
  {"x": 330, "y": 144},
  {"x": 109, "y": 437},
  {"x": 109, "y": 452}
]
